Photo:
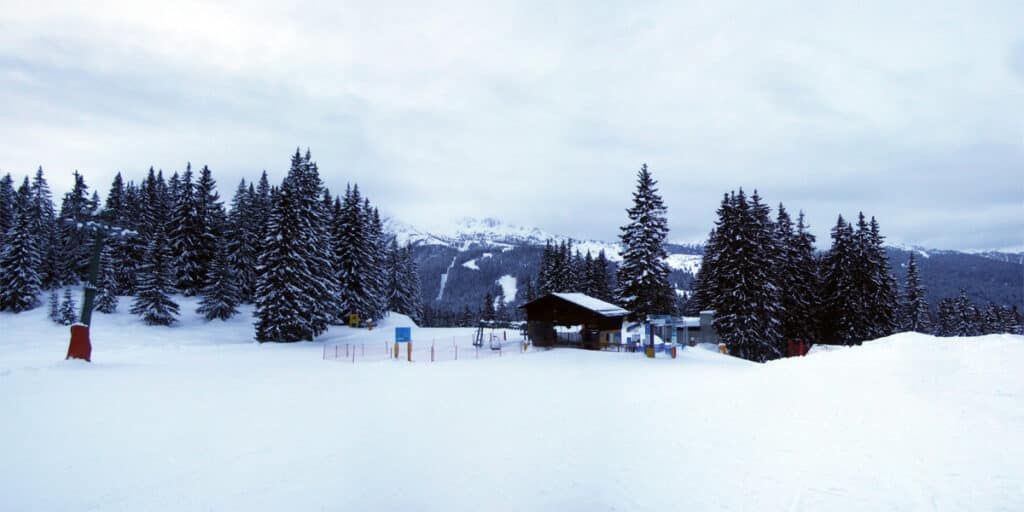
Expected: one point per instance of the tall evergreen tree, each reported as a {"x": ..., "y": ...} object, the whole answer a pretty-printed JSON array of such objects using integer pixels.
[
  {"x": 746, "y": 299},
  {"x": 843, "y": 310},
  {"x": 106, "y": 299},
  {"x": 882, "y": 297},
  {"x": 7, "y": 204},
  {"x": 642, "y": 278},
  {"x": 20, "y": 281},
  {"x": 44, "y": 230},
  {"x": 915, "y": 306},
  {"x": 186, "y": 234},
  {"x": 242, "y": 232},
  {"x": 290, "y": 289},
  {"x": 353, "y": 257},
  {"x": 155, "y": 278},
  {"x": 220, "y": 295},
  {"x": 74, "y": 250}
]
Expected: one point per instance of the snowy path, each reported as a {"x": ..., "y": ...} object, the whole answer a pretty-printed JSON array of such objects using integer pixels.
[
  {"x": 444, "y": 278},
  {"x": 905, "y": 423}
]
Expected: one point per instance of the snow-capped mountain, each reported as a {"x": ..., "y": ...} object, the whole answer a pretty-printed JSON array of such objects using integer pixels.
[{"x": 472, "y": 233}]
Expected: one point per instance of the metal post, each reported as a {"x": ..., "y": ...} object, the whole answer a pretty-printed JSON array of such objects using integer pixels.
[{"x": 90, "y": 283}]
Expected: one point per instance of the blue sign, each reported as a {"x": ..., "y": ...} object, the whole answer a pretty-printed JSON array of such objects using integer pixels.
[{"x": 403, "y": 334}]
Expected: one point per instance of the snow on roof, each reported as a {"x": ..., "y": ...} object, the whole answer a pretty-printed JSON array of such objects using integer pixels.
[{"x": 596, "y": 305}]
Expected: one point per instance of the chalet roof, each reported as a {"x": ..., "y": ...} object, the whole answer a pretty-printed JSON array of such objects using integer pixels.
[{"x": 596, "y": 305}]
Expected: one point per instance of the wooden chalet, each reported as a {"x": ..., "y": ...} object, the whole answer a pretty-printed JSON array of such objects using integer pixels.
[{"x": 600, "y": 322}]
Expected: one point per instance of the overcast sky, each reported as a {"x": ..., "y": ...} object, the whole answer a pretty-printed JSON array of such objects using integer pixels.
[{"x": 541, "y": 113}]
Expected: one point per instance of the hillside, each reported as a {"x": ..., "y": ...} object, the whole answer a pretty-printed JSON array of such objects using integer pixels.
[{"x": 472, "y": 256}]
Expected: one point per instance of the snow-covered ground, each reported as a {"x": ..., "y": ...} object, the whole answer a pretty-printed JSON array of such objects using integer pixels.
[{"x": 198, "y": 417}]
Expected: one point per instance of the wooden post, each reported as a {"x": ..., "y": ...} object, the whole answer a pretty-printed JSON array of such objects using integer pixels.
[{"x": 408, "y": 350}]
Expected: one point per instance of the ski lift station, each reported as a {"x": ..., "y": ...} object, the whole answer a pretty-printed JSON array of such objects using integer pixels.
[
  {"x": 578, "y": 320},
  {"x": 600, "y": 323}
]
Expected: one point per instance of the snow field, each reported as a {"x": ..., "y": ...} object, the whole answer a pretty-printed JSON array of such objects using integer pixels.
[{"x": 197, "y": 417}]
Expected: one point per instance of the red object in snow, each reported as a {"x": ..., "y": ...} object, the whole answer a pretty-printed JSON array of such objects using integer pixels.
[{"x": 80, "y": 348}]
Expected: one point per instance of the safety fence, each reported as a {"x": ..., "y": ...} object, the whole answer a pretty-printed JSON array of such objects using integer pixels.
[{"x": 425, "y": 351}]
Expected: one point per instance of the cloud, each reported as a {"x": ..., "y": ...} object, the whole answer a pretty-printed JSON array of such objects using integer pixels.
[{"x": 540, "y": 113}]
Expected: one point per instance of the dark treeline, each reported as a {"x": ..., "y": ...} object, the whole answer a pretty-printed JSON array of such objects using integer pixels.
[
  {"x": 562, "y": 269},
  {"x": 767, "y": 285},
  {"x": 305, "y": 258}
]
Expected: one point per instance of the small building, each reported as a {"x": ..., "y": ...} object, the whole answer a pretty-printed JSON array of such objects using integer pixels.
[{"x": 599, "y": 322}]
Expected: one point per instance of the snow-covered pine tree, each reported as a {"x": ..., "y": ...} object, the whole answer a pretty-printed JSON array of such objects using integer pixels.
[
  {"x": 212, "y": 218},
  {"x": 642, "y": 278},
  {"x": 882, "y": 301},
  {"x": 186, "y": 232},
  {"x": 805, "y": 286},
  {"x": 54, "y": 306},
  {"x": 323, "y": 286},
  {"x": 155, "y": 278},
  {"x": 220, "y": 296},
  {"x": 602, "y": 279},
  {"x": 947, "y": 317},
  {"x": 394, "y": 276},
  {"x": 786, "y": 273},
  {"x": 915, "y": 305},
  {"x": 352, "y": 257},
  {"x": 747, "y": 302},
  {"x": 588, "y": 279},
  {"x": 106, "y": 298},
  {"x": 376, "y": 248},
  {"x": 289, "y": 288},
  {"x": 44, "y": 230},
  {"x": 965, "y": 322},
  {"x": 241, "y": 232},
  {"x": 546, "y": 274},
  {"x": 20, "y": 281},
  {"x": 7, "y": 201},
  {"x": 404, "y": 282},
  {"x": 129, "y": 251},
  {"x": 74, "y": 249},
  {"x": 842, "y": 309},
  {"x": 68, "y": 309}
]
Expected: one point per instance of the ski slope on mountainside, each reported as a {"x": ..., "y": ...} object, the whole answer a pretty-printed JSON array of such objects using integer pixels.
[{"x": 198, "y": 417}]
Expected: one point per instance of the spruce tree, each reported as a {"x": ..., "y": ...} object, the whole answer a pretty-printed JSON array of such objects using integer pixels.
[
  {"x": 106, "y": 299},
  {"x": 842, "y": 309},
  {"x": 803, "y": 311},
  {"x": 44, "y": 230},
  {"x": 7, "y": 203},
  {"x": 642, "y": 278},
  {"x": 601, "y": 278},
  {"x": 221, "y": 295},
  {"x": 915, "y": 306},
  {"x": 68, "y": 309},
  {"x": 186, "y": 233},
  {"x": 882, "y": 298},
  {"x": 20, "y": 280},
  {"x": 353, "y": 257},
  {"x": 290, "y": 289},
  {"x": 241, "y": 237},
  {"x": 965, "y": 322},
  {"x": 74, "y": 249},
  {"x": 155, "y": 277}
]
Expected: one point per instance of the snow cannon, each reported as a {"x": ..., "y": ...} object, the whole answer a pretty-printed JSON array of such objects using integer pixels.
[{"x": 80, "y": 346}]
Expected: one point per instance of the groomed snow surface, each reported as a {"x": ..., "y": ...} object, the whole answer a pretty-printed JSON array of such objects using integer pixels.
[{"x": 198, "y": 417}]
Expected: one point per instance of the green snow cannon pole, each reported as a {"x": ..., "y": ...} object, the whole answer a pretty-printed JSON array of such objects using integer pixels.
[{"x": 80, "y": 346}]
